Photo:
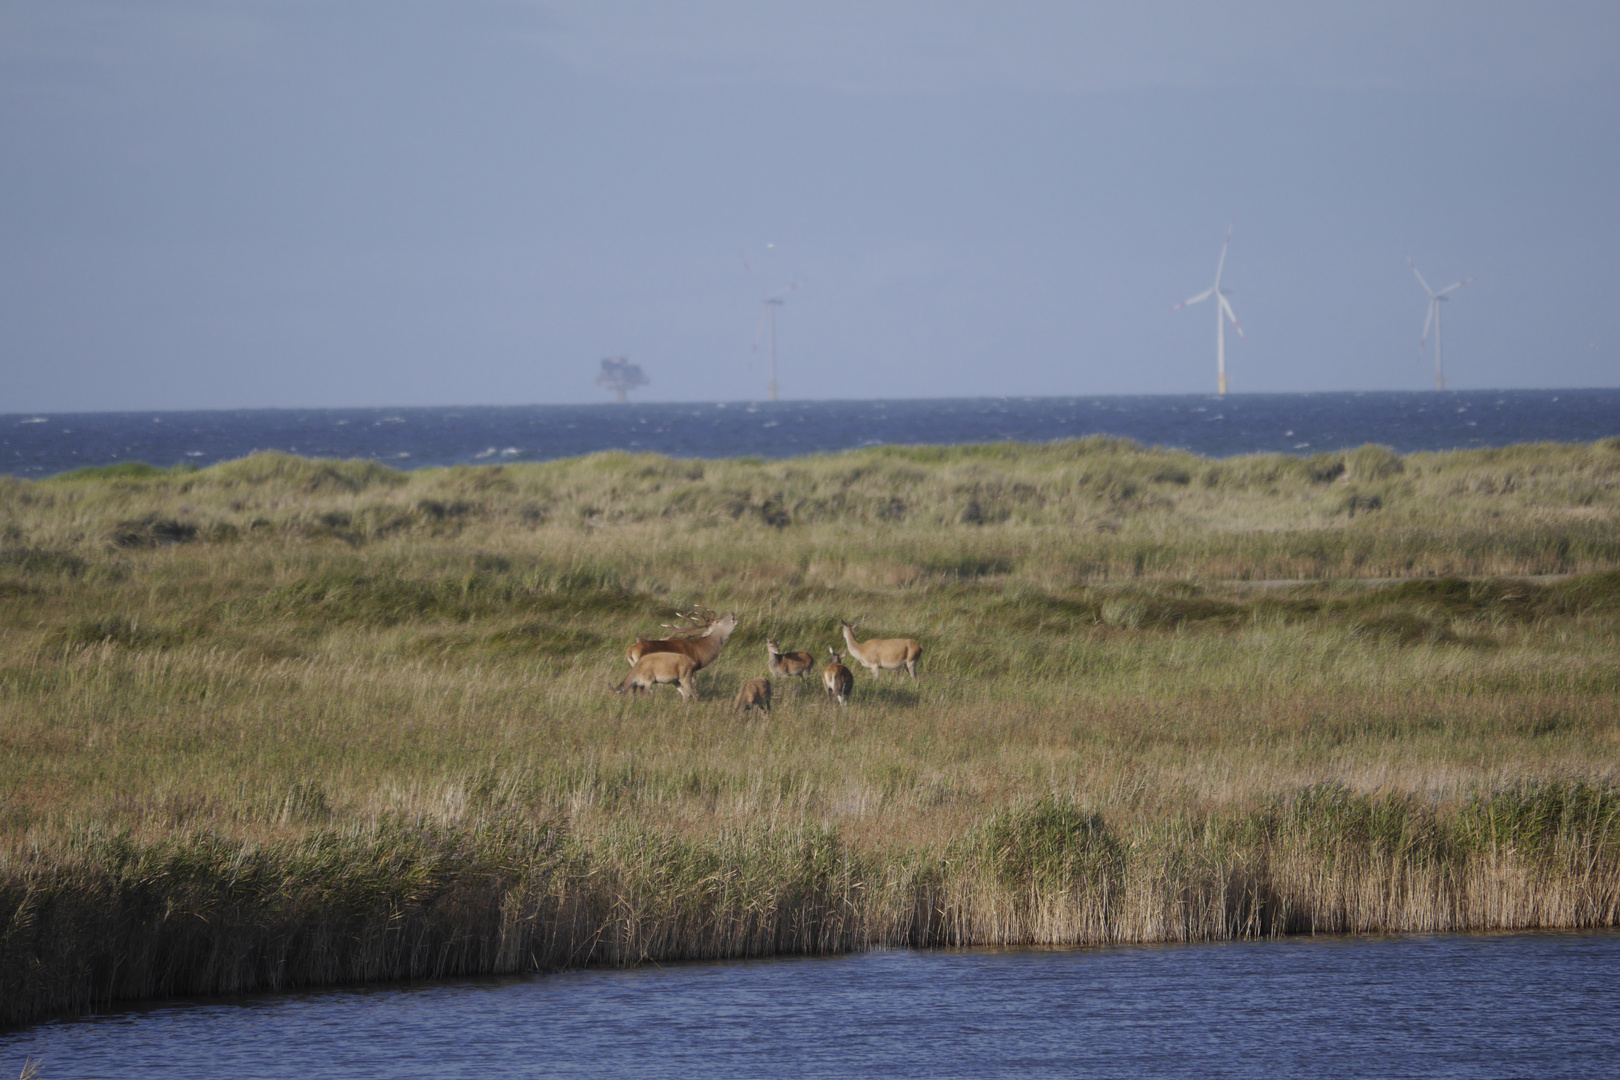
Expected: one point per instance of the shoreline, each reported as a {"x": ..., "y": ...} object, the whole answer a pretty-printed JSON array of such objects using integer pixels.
[{"x": 196, "y": 918}]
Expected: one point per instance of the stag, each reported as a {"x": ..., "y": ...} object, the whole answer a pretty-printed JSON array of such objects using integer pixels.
[
  {"x": 662, "y": 667},
  {"x": 836, "y": 678},
  {"x": 785, "y": 665},
  {"x": 699, "y": 635},
  {"x": 754, "y": 694},
  {"x": 883, "y": 654}
]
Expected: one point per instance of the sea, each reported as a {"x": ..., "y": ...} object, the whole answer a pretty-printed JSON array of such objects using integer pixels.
[
  {"x": 1543, "y": 1005},
  {"x": 43, "y": 444}
]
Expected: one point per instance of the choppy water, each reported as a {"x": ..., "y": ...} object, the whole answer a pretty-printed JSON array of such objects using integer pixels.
[
  {"x": 41, "y": 445},
  {"x": 1526, "y": 1005}
]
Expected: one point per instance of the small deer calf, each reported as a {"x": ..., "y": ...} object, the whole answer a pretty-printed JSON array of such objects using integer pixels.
[
  {"x": 783, "y": 665},
  {"x": 662, "y": 667},
  {"x": 836, "y": 679},
  {"x": 755, "y": 693}
]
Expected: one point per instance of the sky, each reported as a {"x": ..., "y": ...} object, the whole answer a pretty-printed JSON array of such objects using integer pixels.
[{"x": 308, "y": 203}]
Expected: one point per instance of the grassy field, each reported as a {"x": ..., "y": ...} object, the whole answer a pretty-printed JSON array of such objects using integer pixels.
[{"x": 282, "y": 722}]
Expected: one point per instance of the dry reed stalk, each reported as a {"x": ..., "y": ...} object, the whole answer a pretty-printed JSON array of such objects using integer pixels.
[{"x": 206, "y": 917}]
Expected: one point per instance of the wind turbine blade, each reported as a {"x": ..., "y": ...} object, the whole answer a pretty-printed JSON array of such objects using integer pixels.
[
  {"x": 1228, "y": 309},
  {"x": 744, "y": 256},
  {"x": 1421, "y": 282},
  {"x": 1200, "y": 298},
  {"x": 784, "y": 292},
  {"x": 1224, "y": 245},
  {"x": 1427, "y": 321},
  {"x": 1458, "y": 285}
]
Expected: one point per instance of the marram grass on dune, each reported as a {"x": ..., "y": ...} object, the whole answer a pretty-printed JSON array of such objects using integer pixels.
[{"x": 283, "y": 722}]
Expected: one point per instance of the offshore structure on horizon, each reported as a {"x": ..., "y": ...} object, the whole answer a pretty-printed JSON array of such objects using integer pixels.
[{"x": 621, "y": 376}]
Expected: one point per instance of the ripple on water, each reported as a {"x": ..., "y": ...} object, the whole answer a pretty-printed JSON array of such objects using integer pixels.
[{"x": 1544, "y": 1004}]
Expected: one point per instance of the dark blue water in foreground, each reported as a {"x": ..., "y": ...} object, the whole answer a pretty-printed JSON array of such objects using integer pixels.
[
  {"x": 1525, "y": 1005},
  {"x": 412, "y": 438}
]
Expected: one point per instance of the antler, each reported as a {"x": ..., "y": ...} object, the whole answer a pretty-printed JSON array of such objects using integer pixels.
[{"x": 692, "y": 624}]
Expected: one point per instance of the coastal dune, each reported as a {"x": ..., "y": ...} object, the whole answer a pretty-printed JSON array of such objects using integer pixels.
[{"x": 284, "y": 722}]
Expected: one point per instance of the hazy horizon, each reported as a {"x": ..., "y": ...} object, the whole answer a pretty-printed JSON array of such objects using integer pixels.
[
  {"x": 285, "y": 205},
  {"x": 606, "y": 400}
]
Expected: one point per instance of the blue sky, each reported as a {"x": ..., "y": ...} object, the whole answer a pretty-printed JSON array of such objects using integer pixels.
[{"x": 311, "y": 203}]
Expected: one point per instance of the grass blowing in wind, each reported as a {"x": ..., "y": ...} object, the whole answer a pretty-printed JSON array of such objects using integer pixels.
[{"x": 284, "y": 722}]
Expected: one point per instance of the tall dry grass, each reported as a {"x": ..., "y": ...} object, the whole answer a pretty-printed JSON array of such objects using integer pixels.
[{"x": 283, "y": 722}]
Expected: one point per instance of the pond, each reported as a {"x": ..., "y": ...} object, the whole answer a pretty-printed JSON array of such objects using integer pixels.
[{"x": 1536, "y": 1004}]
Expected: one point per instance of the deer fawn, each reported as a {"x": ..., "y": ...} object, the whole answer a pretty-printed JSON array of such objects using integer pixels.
[
  {"x": 702, "y": 637},
  {"x": 661, "y": 667},
  {"x": 783, "y": 665},
  {"x": 755, "y": 694},
  {"x": 883, "y": 654},
  {"x": 837, "y": 680}
]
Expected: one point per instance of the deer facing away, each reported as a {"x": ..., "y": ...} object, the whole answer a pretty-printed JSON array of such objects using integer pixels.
[
  {"x": 754, "y": 694},
  {"x": 836, "y": 679},
  {"x": 883, "y": 654},
  {"x": 662, "y": 667}
]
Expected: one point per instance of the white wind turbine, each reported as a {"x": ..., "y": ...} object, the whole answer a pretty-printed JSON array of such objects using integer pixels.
[
  {"x": 767, "y": 324},
  {"x": 1434, "y": 317},
  {"x": 1223, "y": 311}
]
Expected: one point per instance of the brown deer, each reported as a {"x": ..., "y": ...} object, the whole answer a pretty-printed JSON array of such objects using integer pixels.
[
  {"x": 755, "y": 694},
  {"x": 702, "y": 645},
  {"x": 883, "y": 654},
  {"x": 785, "y": 665},
  {"x": 662, "y": 667},
  {"x": 836, "y": 679}
]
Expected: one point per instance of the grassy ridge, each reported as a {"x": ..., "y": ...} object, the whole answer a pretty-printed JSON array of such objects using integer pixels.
[{"x": 281, "y": 722}]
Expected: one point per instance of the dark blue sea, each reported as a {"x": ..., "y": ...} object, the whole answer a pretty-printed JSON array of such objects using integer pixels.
[
  {"x": 44, "y": 444},
  {"x": 1523, "y": 1005}
]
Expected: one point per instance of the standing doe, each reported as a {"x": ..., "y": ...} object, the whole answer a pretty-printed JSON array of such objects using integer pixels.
[
  {"x": 883, "y": 654},
  {"x": 662, "y": 667}
]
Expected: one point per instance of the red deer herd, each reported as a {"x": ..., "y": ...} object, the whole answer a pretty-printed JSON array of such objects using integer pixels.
[{"x": 696, "y": 639}]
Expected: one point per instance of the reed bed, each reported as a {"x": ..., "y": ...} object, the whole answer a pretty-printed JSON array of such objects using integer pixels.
[{"x": 285, "y": 722}]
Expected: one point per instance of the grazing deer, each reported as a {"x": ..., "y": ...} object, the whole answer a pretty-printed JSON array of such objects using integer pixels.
[
  {"x": 702, "y": 645},
  {"x": 883, "y": 654},
  {"x": 662, "y": 667},
  {"x": 783, "y": 665},
  {"x": 755, "y": 693},
  {"x": 837, "y": 680}
]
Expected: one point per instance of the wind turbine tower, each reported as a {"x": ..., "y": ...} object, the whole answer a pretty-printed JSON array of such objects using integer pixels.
[
  {"x": 1435, "y": 299},
  {"x": 767, "y": 323},
  {"x": 767, "y": 320},
  {"x": 1223, "y": 311}
]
